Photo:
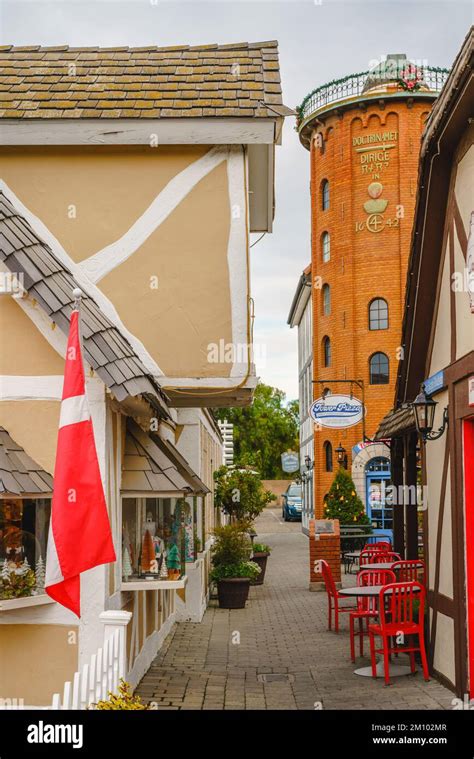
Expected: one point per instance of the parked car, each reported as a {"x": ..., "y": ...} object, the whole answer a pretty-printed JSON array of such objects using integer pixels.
[{"x": 292, "y": 502}]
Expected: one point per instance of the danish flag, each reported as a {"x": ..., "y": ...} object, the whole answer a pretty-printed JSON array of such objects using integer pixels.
[{"x": 79, "y": 531}]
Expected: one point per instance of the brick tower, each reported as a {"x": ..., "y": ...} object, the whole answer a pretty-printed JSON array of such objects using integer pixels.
[{"x": 363, "y": 134}]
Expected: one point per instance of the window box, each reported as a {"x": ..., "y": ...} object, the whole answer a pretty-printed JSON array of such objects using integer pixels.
[
  {"x": 138, "y": 583},
  {"x": 25, "y": 602}
]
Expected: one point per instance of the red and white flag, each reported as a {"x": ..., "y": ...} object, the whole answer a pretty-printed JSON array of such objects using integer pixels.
[{"x": 79, "y": 532}]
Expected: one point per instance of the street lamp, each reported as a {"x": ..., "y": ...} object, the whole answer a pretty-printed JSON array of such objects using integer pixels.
[
  {"x": 308, "y": 462},
  {"x": 341, "y": 456},
  {"x": 424, "y": 409}
]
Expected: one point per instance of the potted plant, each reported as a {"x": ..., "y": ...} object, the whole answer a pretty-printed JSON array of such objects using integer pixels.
[
  {"x": 260, "y": 555},
  {"x": 240, "y": 493},
  {"x": 232, "y": 569}
]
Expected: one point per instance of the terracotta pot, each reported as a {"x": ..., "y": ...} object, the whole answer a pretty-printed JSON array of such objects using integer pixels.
[
  {"x": 233, "y": 592},
  {"x": 261, "y": 560}
]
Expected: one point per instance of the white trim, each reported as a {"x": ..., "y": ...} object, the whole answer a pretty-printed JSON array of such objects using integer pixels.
[
  {"x": 80, "y": 278},
  {"x": 202, "y": 382},
  {"x": 23, "y": 388},
  {"x": 106, "y": 260},
  {"x": 139, "y": 131},
  {"x": 149, "y": 650},
  {"x": 73, "y": 410},
  {"x": 144, "y": 585},
  {"x": 21, "y": 603},
  {"x": 237, "y": 253}
]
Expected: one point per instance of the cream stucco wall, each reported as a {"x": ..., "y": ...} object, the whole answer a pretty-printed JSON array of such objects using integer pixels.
[
  {"x": 50, "y": 652},
  {"x": 443, "y": 660},
  {"x": 23, "y": 349}
]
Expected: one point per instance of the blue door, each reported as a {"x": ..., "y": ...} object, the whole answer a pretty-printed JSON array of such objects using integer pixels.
[{"x": 377, "y": 480}]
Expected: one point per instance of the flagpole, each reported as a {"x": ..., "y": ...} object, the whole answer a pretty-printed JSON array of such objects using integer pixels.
[{"x": 77, "y": 293}]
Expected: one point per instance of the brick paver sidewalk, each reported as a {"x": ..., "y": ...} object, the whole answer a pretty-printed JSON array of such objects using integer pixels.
[{"x": 277, "y": 652}]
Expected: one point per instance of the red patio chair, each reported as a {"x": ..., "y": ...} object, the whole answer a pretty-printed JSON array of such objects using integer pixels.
[
  {"x": 367, "y": 606},
  {"x": 397, "y": 617},
  {"x": 371, "y": 556},
  {"x": 391, "y": 556},
  {"x": 380, "y": 545},
  {"x": 333, "y": 597},
  {"x": 410, "y": 570}
]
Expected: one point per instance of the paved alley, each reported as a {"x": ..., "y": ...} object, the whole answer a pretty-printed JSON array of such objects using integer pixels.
[{"x": 277, "y": 652}]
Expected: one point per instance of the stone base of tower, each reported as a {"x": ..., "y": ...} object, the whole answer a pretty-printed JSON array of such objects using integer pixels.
[{"x": 327, "y": 546}]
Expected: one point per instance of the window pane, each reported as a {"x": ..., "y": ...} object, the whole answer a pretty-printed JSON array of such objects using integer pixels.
[
  {"x": 327, "y": 351},
  {"x": 379, "y": 372},
  {"x": 326, "y": 300},
  {"x": 326, "y": 245},
  {"x": 157, "y": 538},
  {"x": 378, "y": 314},
  {"x": 325, "y": 195},
  {"x": 24, "y": 525},
  {"x": 328, "y": 456}
]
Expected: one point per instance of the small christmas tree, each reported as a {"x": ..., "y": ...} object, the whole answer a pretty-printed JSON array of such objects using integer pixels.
[
  {"x": 148, "y": 551},
  {"x": 40, "y": 573},
  {"x": 172, "y": 560},
  {"x": 163, "y": 569},
  {"x": 126, "y": 563},
  {"x": 5, "y": 573},
  {"x": 24, "y": 567},
  {"x": 342, "y": 501}
]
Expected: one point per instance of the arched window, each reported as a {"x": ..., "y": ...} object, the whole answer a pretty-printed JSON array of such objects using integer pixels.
[
  {"x": 326, "y": 246},
  {"x": 378, "y": 314},
  {"x": 325, "y": 194},
  {"x": 326, "y": 351},
  {"x": 328, "y": 456},
  {"x": 379, "y": 369},
  {"x": 326, "y": 300}
]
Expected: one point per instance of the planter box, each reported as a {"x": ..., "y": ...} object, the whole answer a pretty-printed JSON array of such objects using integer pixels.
[
  {"x": 233, "y": 592},
  {"x": 261, "y": 560}
]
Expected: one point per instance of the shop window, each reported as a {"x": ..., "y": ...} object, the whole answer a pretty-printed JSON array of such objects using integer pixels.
[
  {"x": 326, "y": 246},
  {"x": 378, "y": 314},
  {"x": 326, "y": 300},
  {"x": 379, "y": 369},
  {"x": 24, "y": 524},
  {"x": 325, "y": 194},
  {"x": 328, "y": 456},
  {"x": 326, "y": 351},
  {"x": 158, "y": 538}
]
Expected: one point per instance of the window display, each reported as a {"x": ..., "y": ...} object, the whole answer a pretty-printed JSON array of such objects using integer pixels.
[
  {"x": 157, "y": 538},
  {"x": 24, "y": 525}
]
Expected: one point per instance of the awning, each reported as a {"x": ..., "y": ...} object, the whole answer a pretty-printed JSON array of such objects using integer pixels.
[
  {"x": 181, "y": 464},
  {"x": 396, "y": 423},
  {"x": 150, "y": 466},
  {"x": 19, "y": 474}
]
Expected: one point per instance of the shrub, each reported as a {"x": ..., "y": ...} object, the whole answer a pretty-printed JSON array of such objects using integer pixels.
[
  {"x": 232, "y": 544},
  {"x": 124, "y": 700},
  {"x": 261, "y": 548},
  {"x": 243, "y": 569},
  {"x": 240, "y": 492}
]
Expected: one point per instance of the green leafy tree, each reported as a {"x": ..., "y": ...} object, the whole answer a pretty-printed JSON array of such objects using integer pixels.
[
  {"x": 239, "y": 492},
  {"x": 342, "y": 501},
  {"x": 264, "y": 430}
]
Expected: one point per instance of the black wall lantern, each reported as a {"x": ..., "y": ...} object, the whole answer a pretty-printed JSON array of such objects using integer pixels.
[
  {"x": 424, "y": 409},
  {"x": 308, "y": 462},
  {"x": 341, "y": 455}
]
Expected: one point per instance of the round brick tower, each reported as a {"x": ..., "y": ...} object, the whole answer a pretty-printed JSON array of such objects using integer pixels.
[{"x": 363, "y": 134}]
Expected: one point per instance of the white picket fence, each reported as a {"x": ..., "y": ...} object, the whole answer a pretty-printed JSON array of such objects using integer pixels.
[{"x": 102, "y": 673}]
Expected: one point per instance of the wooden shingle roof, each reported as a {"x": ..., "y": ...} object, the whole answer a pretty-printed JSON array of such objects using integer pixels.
[
  {"x": 51, "y": 284},
  {"x": 241, "y": 79},
  {"x": 19, "y": 474}
]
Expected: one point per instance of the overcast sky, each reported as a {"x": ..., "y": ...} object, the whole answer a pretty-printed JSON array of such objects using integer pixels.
[{"x": 319, "y": 41}]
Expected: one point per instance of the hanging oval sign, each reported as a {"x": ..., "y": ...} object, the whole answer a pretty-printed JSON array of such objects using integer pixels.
[{"x": 337, "y": 411}]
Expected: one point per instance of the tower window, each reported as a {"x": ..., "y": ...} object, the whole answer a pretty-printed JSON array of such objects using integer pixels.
[
  {"x": 328, "y": 456},
  {"x": 326, "y": 351},
  {"x": 326, "y": 300},
  {"x": 325, "y": 194},
  {"x": 379, "y": 369},
  {"x": 378, "y": 314},
  {"x": 326, "y": 246}
]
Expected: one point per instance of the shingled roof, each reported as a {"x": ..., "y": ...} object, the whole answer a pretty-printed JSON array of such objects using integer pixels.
[
  {"x": 19, "y": 474},
  {"x": 241, "y": 79},
  {"x": 51, "y": 284}
]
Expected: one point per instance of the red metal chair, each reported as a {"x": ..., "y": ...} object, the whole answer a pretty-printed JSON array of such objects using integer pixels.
[
  {"x": 380, "y": 545},
  {"x": 367, "y": 606},
  {"x": 333, "y": 597},
  {"x": 410, "y": 570},
  {"x": 391, "y": 556},
  {"x": 371, "y": 556},
  {"x": 397, "y": 618}
]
